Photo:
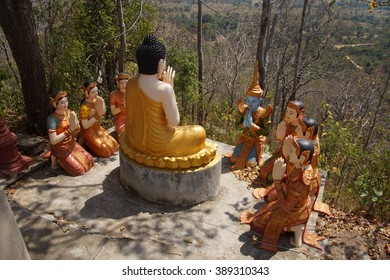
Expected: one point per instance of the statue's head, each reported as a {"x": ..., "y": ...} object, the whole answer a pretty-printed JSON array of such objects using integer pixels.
[
  {"x": 90, "y": 89},
  {"x": 121, "y": 81},
  {"x": 308, "y": 128},
  {"x": 122, "y": 76},
  {"x": 253, "y": 102},
  {"x": 149, "y": 54},
  {"x": 295, "y": 109},
  {"x": 254, "y": 93},
  {"x": 58, "y": 99},
  {"x": 301, "y": 151}
]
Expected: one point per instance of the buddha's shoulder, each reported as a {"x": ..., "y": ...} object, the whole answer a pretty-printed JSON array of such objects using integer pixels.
[{"x": 164, "y": 87}]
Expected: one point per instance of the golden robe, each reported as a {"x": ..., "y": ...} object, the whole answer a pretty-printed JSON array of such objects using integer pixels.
[
  {"x": 148, "y": 131},
  {"x": 96, "y": 137}
]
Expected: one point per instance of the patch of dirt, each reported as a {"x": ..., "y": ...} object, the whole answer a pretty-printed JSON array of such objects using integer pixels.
[{"x": 354, "y": 236}]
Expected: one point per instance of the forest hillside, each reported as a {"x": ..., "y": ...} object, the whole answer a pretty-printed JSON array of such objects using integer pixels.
[{"x": 337, "y": 63}]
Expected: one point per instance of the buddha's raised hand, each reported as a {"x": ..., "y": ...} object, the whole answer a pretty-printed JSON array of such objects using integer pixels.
[{"x": 169, "y": 75}]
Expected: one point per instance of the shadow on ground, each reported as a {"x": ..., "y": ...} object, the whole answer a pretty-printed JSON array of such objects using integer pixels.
[{"x": 115, "y": 202}]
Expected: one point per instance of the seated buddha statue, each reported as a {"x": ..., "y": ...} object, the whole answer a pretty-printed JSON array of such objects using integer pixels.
[
  {"x": 92, "y": 134},
  {"x": 63, "y": 127},
  {"x": 293, "y": 206},
  {"x": 117, "y": 103},
  {"x": 255, "y": 121},
  {"x": 152, "y": 134}
]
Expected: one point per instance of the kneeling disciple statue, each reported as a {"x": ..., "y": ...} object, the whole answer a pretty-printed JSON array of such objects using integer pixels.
[
  {"x": 117, "y": 103},
  {"x": 256, "y": 124},
  {"x": 293, "y": 205},
  {"x": 63, "y": 127},
  {"x": 307, "y": 129},
  {"x": 288, "y": 126},
  {"x": 152, "y": 135},
  {"x": 94, "y": 136}
]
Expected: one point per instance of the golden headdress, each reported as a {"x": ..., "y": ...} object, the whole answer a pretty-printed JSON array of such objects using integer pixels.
[
  {"x": 87, "y": 86},
  {"x": 58, "y": 96},
  {"x": 122, "y": 76},
  {"x": 255, "y": 89}
]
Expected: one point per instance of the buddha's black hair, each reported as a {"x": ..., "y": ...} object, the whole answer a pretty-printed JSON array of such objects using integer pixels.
[{"x": 149, "y": 54}]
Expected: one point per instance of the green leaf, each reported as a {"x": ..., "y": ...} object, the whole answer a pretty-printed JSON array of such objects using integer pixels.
[{"x": 378, "y": 193}]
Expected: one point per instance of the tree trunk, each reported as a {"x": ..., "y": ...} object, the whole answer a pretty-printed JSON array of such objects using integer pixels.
[
  {"x": 377, "y": 111},
  {"x": 110, "y": 67},
  {"x": 10, "y": 64},
  {"x": 17, "y": 21},
  {"x": 298, "y": 53},
  {"x": 277, "y": 88},
  {"x": 265, "y": 14},
  {"x": 200, "y": 64},
  {"x": 121, "y": 59},
  {"x": 270, "y": 34}
]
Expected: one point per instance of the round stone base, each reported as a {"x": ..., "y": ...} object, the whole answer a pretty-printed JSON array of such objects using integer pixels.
[{"x": 176, "y": 187}]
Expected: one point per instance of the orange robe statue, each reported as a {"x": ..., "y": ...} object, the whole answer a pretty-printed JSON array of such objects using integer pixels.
[
  {"x": 294, "y": 111},
  {"x": 293, "y": 206},
  {"x": 92, "y": 134},
  {"x": 64, "y": 148},
  {"x": 117, "y": 104}
]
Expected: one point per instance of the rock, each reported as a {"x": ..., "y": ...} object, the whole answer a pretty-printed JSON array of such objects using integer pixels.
[{"x": 30, "y": 146}]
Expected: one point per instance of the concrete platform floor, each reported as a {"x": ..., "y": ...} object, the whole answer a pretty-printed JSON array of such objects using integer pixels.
[{"x": 94, "y": 217}]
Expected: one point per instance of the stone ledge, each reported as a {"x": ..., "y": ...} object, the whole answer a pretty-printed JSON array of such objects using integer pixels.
[
  {"x": 30, "y": 146},
  {"x": 11, "y": 241}
]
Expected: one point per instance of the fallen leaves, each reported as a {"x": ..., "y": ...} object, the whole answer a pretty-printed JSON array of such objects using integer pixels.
[
  {"x": 346, "y": 229},
  {"x": 250, "y": 175},
  {"x": 187, "y": 240}
]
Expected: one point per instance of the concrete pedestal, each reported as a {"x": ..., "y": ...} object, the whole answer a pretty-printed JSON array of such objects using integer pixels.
[
  {"x": 176, "y": 187},
  {"x": 12, "y": 246}
]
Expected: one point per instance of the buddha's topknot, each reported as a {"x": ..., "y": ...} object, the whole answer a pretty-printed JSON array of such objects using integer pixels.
[
  {"x": 149, "y": 40},
  {"x": 148, "y": 55}
]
